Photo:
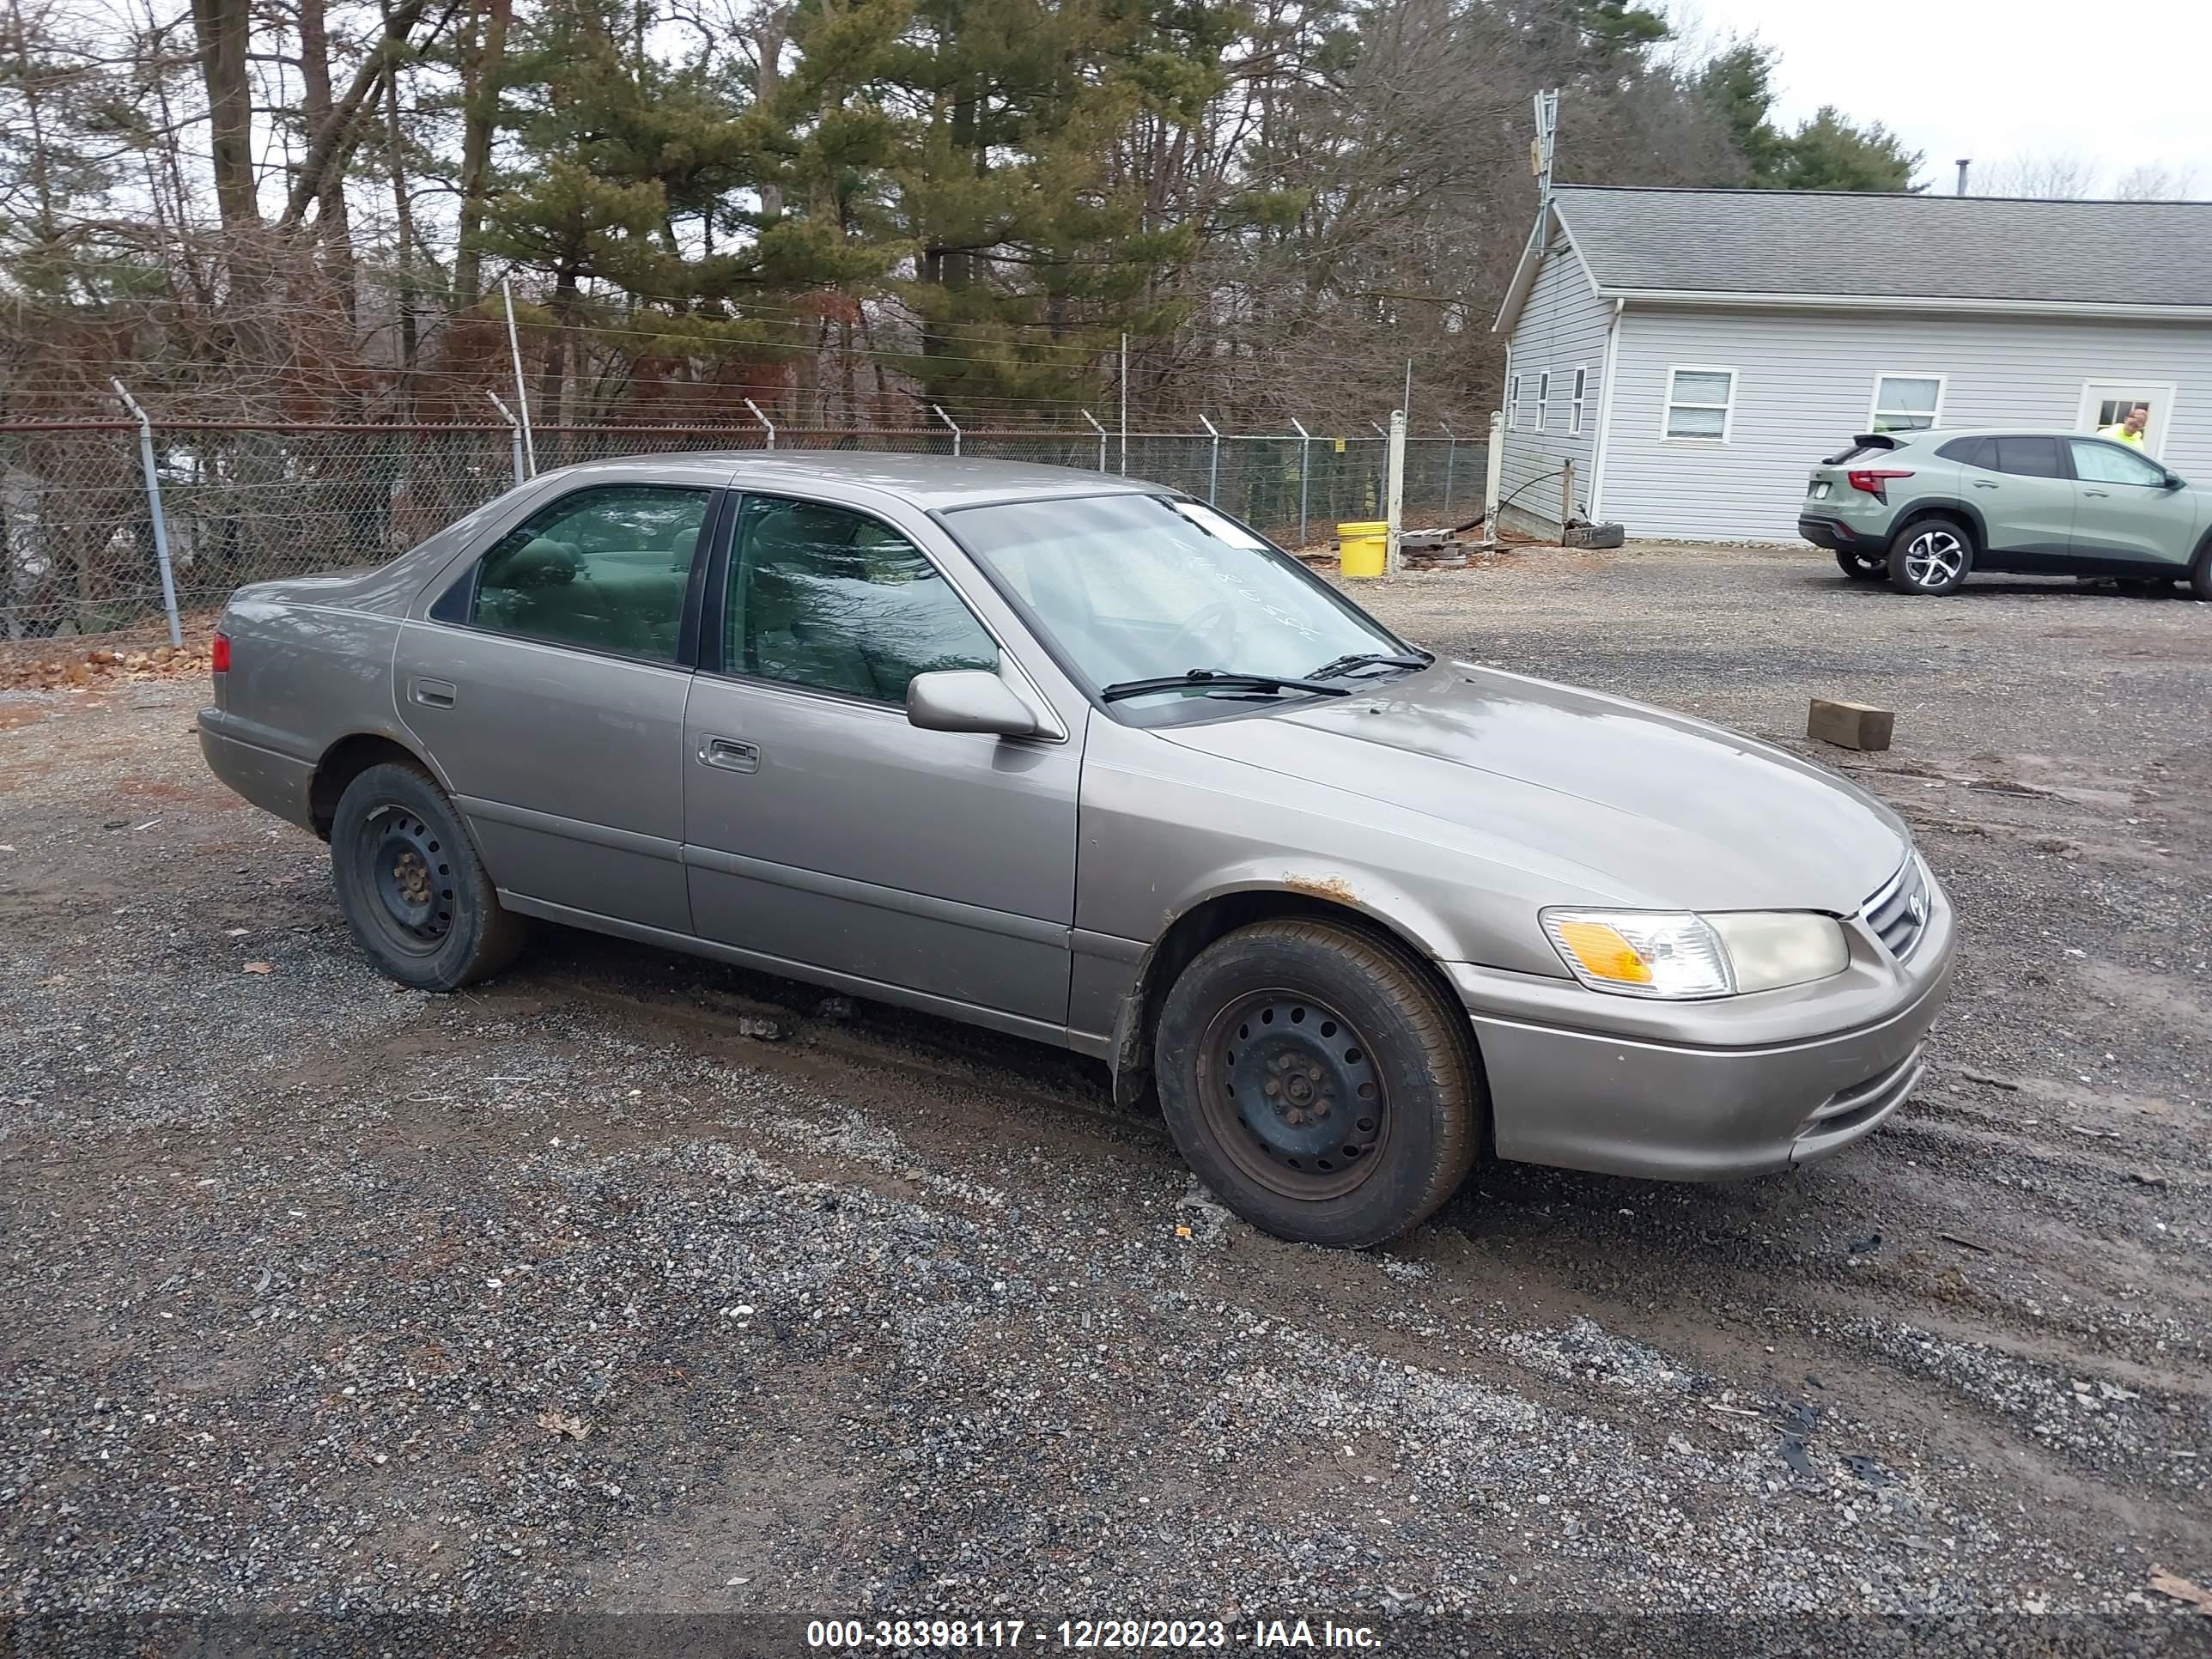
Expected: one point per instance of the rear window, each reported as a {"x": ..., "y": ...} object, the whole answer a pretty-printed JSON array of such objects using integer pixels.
[{"x": 2030, "y": 457}]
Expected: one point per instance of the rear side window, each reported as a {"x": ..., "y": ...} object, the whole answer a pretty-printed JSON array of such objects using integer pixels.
[
  {"x": 602, "y": 569},
  {"x": 1971, "y": 452},
  {"x": 2029, "y": 457}
]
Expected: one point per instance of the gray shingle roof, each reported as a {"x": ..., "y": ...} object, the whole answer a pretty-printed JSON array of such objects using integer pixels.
[{"x": 1925, "y": 247}]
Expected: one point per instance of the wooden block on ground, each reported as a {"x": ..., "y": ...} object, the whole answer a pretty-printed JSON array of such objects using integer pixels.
[{"x": 1850, "y": 724}]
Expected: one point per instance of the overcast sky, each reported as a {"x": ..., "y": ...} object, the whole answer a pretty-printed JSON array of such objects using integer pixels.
[{"x": 2117, "y": 83}]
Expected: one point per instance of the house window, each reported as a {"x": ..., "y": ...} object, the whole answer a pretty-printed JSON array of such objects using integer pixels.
[
  {"x": 1700, "y": 403},
  {"x": 1513, "y": 405},
  {"x": 1906, "y": 403},
  {"x": 1575, "y": 409},
  {"x": 1543, "y": 397}
]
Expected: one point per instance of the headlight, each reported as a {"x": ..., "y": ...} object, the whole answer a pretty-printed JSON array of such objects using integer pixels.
[{"x": 1678, "y": 954}]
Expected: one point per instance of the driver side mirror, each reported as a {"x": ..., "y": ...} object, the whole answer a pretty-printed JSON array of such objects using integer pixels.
[
  {"x": 2173, "y": 481},
  {"x": 968, "y": 699}
]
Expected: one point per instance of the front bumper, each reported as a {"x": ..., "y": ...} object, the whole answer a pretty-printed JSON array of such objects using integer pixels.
[{"x": 1833, "y": 1061}]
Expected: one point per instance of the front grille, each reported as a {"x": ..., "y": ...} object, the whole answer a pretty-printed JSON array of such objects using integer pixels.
[{"x": 1898, "y": 911}]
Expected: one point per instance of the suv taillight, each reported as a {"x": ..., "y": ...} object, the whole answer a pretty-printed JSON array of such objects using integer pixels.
[
  {"x": 1872, "y": 478},
  {"x": 219, "y": 654}
]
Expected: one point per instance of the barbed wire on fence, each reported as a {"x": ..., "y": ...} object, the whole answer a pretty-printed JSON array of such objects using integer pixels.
[{"x": 247, "y": 501}]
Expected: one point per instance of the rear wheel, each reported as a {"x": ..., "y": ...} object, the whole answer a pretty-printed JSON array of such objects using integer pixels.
[
  {"x": 1318, "y": 1082},
  {"x": 1861, "y": 567},
  {"x": 1930, "y": 556},
  {"x": 410, "y": 885}
]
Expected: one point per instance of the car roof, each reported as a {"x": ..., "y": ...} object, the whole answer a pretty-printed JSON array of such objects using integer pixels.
[
  {"x": 1939, "y": 432},
  {"x": 930, "y": 482}
]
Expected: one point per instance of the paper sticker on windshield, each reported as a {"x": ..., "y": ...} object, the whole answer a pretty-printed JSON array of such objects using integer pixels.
[{"x": 1220, "y": 528}]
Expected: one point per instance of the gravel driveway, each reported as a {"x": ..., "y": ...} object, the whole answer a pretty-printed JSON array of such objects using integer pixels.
[{"x": 567, "y": 1294}]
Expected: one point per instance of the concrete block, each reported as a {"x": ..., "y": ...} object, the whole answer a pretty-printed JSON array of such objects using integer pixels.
[{"x": 1850, "y": 724}]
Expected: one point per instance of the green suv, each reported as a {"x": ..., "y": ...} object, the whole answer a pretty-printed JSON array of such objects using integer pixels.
[{"x": 1924, "y": 509}]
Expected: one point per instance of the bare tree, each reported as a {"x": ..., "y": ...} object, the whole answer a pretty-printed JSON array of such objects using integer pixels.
[
  {"x": 2155, "y": 181},
  {"x": 2056, "y": 176}
]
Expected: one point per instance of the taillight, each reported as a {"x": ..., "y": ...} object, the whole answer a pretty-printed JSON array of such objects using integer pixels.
[
  {"x": 219, "y": 654},
  {"x": 1872, "y": 478}
]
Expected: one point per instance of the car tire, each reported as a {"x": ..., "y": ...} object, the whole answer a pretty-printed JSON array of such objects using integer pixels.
[
  {"x": 1862, "y": 566},
  {"x": 1930, "y": 556},
  {"x": 413, "y": 888},
  {"x": 2199, "y": 572},
  {"x": 1290, "y": 1051}
]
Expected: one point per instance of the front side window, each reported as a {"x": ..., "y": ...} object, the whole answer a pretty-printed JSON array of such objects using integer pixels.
[
  {"x": 1906, "y": 403},
  {"x": 2029, "y": 457},
  {"x": 1136, "y": 588},
  {"x": 833, "y": 600},
  {"x": 1699, "y": 402},
  {"x": 2095, "y": 462},
  {"x": 602, "y": 569}
]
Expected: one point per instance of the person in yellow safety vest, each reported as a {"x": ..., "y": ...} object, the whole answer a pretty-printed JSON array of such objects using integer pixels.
[{"x": 2129, "y": 430}]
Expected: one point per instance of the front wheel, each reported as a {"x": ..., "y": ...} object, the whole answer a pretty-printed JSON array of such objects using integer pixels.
[
  {"x": 1862, "y": 566},
  {"x": 1930, "y": 556},
  {"x": 2199, "y": 572},
  {"x": 1318, "y": 1082},
  {"x": 410, "y": 885}
]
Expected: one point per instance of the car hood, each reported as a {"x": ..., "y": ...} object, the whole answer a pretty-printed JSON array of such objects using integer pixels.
[{"x": 1633, "y": 804}]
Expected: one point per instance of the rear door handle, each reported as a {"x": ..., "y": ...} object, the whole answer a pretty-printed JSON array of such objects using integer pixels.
[
  {"x": 2097, "y": 492},
  {"x": 731, "y": 754},
  {"x": 1983, "y": 484},
  {"x": 435, "y": 694}
]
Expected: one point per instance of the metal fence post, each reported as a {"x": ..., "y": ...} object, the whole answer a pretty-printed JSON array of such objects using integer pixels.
[
  {"x": 763, "y": 420},
  {"x": 521, "y": 391},
  {"x": 948, "y": 421},
  {"x": 154, "y": 506},
  {"x": 513, "y": 432},
  {"x": 1101, "y": 431},
  {"x": 1213, "y": 467},
  {"x": 1305, "y": 462},
  {"x": 1451, "y": 454}
]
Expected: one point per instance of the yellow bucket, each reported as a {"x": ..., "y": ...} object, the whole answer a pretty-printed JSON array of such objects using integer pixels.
[{"x": 1363, "y": 548}]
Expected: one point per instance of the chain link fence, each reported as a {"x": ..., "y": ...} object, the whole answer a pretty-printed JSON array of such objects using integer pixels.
[{"x": 83, "y": 527}]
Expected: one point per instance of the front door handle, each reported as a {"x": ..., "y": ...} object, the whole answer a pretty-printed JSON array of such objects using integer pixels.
[
  {"x": 435, "y": 694},
  {"x": 2100, "y": 493},
  {"x": 731, "y": 754}
]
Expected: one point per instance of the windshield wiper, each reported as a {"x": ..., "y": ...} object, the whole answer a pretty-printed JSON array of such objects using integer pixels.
[
  {"x": 1367, "y": 660},
  {"x": 1209, "y": 678}
]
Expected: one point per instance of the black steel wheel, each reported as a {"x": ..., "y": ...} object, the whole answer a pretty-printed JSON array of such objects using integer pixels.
[
  {"x": 1319, "y": 1081},
  {"x": 412, "y": 886},
  {"x": 1862, "y": 566}
]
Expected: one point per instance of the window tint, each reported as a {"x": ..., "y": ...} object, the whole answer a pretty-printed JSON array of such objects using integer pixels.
[
  {"x": 1971, "y": 451},
  {"x": 2103, "y": 463},
  {"x": 602, "y": 569},
  {"x": 2030, "y": 458},
  {"x": 834, "y": 601}
]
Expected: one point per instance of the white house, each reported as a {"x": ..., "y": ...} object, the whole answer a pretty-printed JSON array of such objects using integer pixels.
[{"x": 1693, "y": 352}]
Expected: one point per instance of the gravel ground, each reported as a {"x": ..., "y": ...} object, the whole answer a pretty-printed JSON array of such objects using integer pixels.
[{"x": 564, "y": 1295}]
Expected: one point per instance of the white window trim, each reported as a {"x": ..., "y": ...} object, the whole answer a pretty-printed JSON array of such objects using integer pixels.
[
  {"x": 2167, "y": 390},
  {"x": 1513, "y": 402},
  {"x": 1580, "y": 389},
  {"x": 1543, "y": 397},
  {"x": 1874, "y": 404},
  {"x": 1669, "y": 403}
]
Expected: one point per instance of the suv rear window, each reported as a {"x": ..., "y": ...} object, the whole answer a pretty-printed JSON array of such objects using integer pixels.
[{"x": 2030, "y": 457}]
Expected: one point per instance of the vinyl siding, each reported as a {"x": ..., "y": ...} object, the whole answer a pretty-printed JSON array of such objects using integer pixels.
[
  {"x": 1804, "y": 383},
  {"x": 1561, "y": 328}
]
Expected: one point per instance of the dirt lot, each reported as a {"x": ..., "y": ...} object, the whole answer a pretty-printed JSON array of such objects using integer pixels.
[{"x": 313, "y": 1284}]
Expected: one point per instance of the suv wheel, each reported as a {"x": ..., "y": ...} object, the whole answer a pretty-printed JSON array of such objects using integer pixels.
[
  {"x": 1318, "y": 1082},
  {"x": 2199, "y": 572},
  {"x": 1862, "y": 566},
  {"x": 410, "y": 885},
  {"x": 1931, "y": 555}
]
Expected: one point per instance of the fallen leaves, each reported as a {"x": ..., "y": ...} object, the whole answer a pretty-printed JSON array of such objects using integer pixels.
[
  {"x": 2167, "y": 1583},
  {"x": 260, "y": 967},
  {"x": 561, "y": 1423}
]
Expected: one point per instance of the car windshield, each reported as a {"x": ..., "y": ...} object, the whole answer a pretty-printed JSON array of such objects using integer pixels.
[{"x": 1136, "y": 588}]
